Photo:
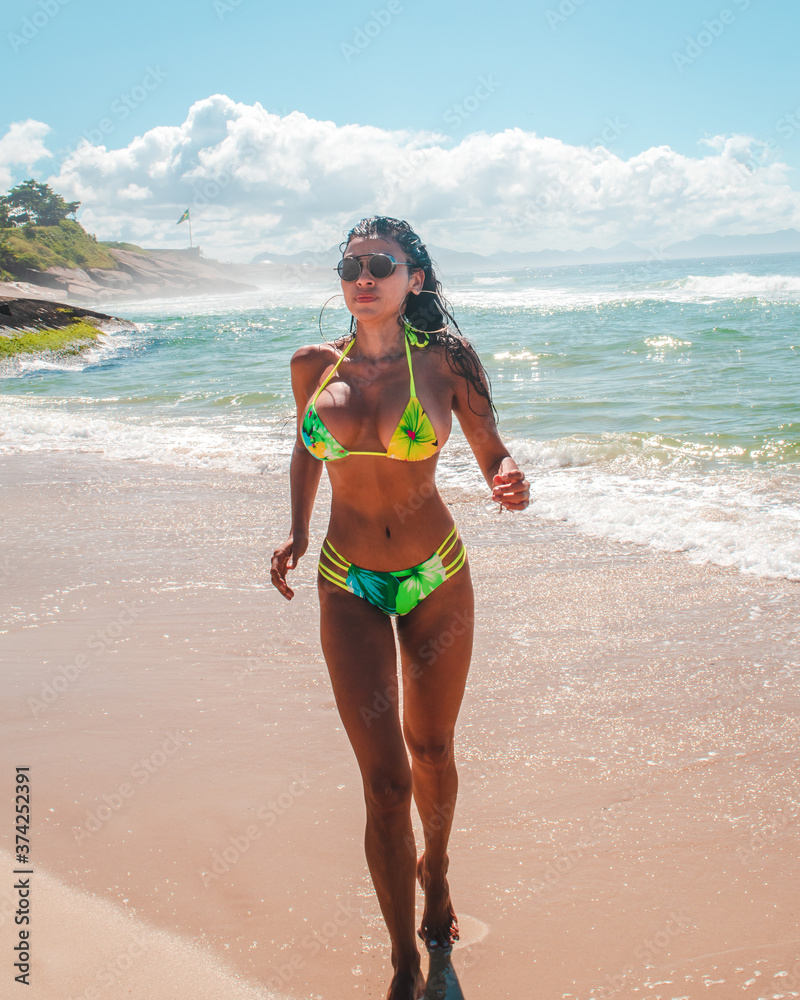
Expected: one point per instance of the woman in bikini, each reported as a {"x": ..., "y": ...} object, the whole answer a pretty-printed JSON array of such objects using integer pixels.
[{"x": 376, "y": 407}]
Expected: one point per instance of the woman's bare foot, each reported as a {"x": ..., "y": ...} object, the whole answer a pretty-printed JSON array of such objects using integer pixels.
[
  {"x": 439, "y": 922},
  {"x": 407, "y": 986}
]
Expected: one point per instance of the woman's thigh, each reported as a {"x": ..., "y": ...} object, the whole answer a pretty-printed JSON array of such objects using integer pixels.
[
  {"x": 436, "y": 648},
  {"x": 359, "y": 649}
]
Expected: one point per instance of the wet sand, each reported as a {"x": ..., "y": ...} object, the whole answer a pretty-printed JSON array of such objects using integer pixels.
[{"x": 628, "y": 821}]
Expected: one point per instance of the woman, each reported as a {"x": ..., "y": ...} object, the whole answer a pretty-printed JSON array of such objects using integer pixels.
[{"x": 388, "y": 392}]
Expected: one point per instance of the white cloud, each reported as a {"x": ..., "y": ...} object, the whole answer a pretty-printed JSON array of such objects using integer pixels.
[
  {"x": 255, "y": 180},
  {"x": 23, "y": 146}
]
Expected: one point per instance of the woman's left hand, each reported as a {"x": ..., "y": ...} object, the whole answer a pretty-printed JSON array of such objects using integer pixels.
[{"x": 511, "y": 489}]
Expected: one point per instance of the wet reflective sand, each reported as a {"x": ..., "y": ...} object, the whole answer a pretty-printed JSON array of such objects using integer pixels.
[{"x": 628, "y": 815}]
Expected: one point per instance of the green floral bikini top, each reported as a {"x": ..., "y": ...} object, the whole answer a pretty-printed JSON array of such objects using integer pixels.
[{"x": 414, "y": 438}]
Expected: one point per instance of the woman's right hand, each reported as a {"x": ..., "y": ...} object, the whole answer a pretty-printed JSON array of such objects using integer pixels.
[{"x": 284, "y": 558}]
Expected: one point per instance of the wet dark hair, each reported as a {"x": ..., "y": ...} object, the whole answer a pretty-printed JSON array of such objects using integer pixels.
[{"x": 429, "y": 312}]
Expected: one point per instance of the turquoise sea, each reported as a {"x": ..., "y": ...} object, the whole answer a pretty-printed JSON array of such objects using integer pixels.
[{"x": 654, "y": 402}]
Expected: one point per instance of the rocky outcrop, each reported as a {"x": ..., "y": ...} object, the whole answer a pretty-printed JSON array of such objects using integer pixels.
[
  {"x": 155, "y": 274},
  {"x": 27, "y": 314}
]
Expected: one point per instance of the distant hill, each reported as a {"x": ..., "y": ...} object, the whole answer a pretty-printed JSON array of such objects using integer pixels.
[
  {"x": 783, "y": 241},
  {"x": 461, "y": 261}
]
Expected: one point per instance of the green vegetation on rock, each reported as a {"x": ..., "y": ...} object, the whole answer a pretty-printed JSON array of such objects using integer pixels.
[
  {"x": 114, "y": 245},
  {"x": 35, "y": 234},
  {"x": 73, "y": 339},
  {"x": 64, "y": 245}
]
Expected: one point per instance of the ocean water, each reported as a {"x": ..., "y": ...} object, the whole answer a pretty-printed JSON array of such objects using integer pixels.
[{"x": 655, "y": 402}]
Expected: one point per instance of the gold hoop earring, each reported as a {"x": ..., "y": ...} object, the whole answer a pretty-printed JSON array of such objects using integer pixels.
[{"x": 319, "y": 321}]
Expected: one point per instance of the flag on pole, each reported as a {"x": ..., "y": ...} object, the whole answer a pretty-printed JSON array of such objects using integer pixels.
[{"x": 183, "y": 218}]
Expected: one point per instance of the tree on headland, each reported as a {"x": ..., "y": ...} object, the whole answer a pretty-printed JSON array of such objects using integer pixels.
[{"x": 35, "y": 204}]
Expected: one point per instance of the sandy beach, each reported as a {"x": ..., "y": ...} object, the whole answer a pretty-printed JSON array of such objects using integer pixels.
[{"x": 629, "y": 805}]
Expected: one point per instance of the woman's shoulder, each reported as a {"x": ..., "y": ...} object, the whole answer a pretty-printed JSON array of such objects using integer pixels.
[
  {"x": 308, "y": 364},
  {"x": 313, "y": 354},
  {"x": 311, "y": 359}
]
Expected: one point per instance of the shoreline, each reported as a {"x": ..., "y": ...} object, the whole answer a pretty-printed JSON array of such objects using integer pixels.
[{"x": 628, "y": 810}]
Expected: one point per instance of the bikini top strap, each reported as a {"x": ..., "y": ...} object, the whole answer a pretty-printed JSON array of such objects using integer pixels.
[
  {"x": 332, "y": 371},
  {"x": 412, "y": 388}
]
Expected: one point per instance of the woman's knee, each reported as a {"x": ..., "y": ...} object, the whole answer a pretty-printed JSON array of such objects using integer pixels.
[
  {"x": 387, "y": 792},
  {"x": 434, "y": 750}
]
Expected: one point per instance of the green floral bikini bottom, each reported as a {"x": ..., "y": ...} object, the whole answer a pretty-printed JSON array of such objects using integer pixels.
[{"x": 395, "y": 592}]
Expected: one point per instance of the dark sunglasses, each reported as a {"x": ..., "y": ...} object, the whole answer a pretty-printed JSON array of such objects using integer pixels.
[{"x": 379, "y": 265}]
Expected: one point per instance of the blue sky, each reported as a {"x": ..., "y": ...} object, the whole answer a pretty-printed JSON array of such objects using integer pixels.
[{"x": 625, "y": 73}]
